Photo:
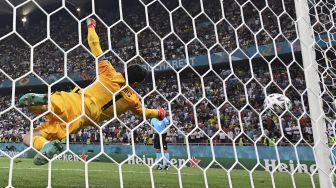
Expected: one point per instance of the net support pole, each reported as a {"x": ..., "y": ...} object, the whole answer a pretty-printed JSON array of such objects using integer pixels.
[{"x": 306, "y": 36}]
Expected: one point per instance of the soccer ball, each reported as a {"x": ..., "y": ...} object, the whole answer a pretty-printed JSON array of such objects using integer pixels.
[{"x": 277, "y": 102}]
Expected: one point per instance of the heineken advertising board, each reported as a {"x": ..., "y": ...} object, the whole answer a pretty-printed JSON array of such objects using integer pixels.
[{"x": 300, "y": 158}]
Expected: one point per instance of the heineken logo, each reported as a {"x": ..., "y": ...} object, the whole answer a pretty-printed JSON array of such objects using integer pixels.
[
  {"x": 272, "y": 164},
  {"x": 12, "y": 154},
  {"x": 194, "y": 162},
  {"x": 150, "y": 161},
  {"x": 71, "y": 157},
  {"x": 83, "y": 156}
]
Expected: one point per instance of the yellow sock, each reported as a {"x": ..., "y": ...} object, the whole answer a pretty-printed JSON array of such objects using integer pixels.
[
  {"x": 39, "y": 141},
  {"x": 38, "y": 109}
]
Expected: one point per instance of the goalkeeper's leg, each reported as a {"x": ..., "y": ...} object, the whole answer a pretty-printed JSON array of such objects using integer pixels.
[
  {"x": 93, "y": 38},
  {"x": 47, "y": 144},
  {"x": 66, "y": 105},
  {"x": 46, "y": 137}
]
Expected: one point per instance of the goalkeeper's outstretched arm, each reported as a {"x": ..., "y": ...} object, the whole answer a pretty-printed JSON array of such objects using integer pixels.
[
  {"x": 93, "y": 38},
  {"x": 159, "y": 113}
]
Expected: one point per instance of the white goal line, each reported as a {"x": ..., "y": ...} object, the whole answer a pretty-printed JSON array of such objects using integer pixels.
[{"x": 82, "y": 170}]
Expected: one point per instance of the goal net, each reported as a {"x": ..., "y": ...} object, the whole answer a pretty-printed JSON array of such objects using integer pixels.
[{"x": 211, "y": 63}]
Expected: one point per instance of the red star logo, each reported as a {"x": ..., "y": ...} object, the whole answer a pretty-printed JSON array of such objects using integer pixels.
[
  {"x": 83, "y": 156},
  {"x": 194, "y": 162}
]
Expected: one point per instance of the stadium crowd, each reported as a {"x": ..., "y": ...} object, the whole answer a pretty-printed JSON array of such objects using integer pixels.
[
  {"x": 13, "y": 124},
  {"x": 48, "y": 59},
  {"x": 237, "y": 115}
]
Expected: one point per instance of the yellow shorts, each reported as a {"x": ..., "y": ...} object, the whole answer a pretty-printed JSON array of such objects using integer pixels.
[
  {"x": 67, "y": 106},
  {"x": 53, "y": 130}
]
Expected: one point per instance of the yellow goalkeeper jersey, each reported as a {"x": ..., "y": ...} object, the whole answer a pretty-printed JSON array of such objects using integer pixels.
[{"x": 110, "y": 82}]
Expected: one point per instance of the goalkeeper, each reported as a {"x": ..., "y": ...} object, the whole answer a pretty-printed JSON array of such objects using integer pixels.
[{"x": 98, "y": 103}]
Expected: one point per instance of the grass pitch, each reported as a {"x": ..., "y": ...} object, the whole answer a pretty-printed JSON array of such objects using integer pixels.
[{"x": 101, "y": 175}]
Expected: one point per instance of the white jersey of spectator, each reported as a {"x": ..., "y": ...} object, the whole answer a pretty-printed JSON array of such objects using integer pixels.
[
  {"x": 230, "y": 134},
  {"x": 296, "y": 131},
  {"x": 201, "y": 134},
  {"x": 237, "y": 130},
  {"x": 288, "y": 130},
  {"x": 221, "y": 135},
  {"x": 193, "y": 135},
  {"x": 174, "y": 137},
  {"x": 330, "y": 130},
  {"x": 180, "y": 134},
  {"x": 210, "y": 132},
  {"x": 129, "y": 136},
  {"x": 255, "y": 135},
  {"x": 198, "y": 135},
  {"x": 297, "y": 103},
  {"x": 309, "y": 130},
  {"x": 160, "y": 126},
  {"x": 266, "y": 132}
]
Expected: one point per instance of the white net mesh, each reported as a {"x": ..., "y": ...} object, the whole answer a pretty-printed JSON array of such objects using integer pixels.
[{"x": 211, "y": 63}]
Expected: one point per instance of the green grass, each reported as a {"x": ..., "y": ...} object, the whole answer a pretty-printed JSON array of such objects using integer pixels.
[{"x": 71, "y": 174}]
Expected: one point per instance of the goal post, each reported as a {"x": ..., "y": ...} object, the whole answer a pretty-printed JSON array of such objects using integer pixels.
[{"x": 307, "y": 44}]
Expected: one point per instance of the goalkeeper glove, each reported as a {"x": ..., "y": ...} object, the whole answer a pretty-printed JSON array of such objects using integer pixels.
[
  {"x": 161, "y": 113},
  {"x": 91, "y": 23}
]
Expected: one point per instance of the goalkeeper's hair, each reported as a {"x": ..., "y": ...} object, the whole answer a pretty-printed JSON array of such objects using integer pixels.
[{"x": 136, "y": 73}]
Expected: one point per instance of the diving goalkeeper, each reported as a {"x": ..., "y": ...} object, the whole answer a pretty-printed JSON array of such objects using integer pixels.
[{"x": 98, "y": 103}]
